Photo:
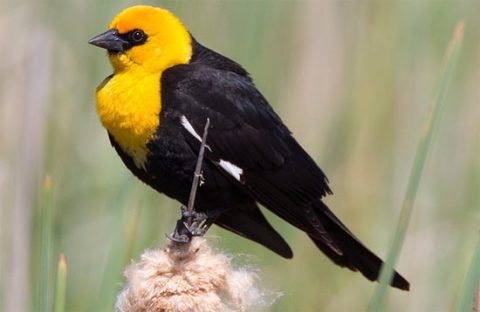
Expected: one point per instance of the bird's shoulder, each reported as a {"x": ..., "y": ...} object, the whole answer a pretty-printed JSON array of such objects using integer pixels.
[
  {"x": 207, "y": 69},
  {"x": 219, "y": 86}
]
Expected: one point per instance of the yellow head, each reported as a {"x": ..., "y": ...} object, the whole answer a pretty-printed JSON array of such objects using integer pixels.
[
  {"x": 147, "y": 37},
  {"x": 142, "y": 42}
]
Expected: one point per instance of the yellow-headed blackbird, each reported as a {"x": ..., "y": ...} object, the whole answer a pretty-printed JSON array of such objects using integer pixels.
[{"x": 155, "y": 105}]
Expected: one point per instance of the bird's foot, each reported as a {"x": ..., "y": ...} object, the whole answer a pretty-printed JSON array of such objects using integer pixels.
[
  {"x": 195, "y": 216},
  {"x": 180, "y": 234},
  {"x": 184, "y": 233},
  {"x": 196, "y": 229},
  {"x": 191, "y": 224}
]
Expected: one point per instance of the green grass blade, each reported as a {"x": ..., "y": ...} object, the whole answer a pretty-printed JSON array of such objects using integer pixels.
[
  {"x": 466, "y": 296},
  {"x": 61, "y": 285},
  {"x": 431, "y": 123},
  {"x": 45, "y": 250},
  {"x": 119, "y": 255}
]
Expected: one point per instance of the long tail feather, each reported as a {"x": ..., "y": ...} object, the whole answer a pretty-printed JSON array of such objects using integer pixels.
[{"x": 354, "y": 255}]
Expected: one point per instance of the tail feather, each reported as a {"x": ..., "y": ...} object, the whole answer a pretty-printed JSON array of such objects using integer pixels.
[
  {"x": 328, "y": 233},
  {"x": 355, "y": 255},
  {"x": 250, "y": 222}
]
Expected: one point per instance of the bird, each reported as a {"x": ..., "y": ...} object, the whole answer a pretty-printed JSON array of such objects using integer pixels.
[{"x": 164, "y": 89}]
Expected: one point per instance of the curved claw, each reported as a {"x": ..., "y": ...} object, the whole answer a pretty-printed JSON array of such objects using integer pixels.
[
  {"x": 181, "y": 239},
  {"x": 181, "y": 233},
  {"x": 191, "y": 224},
  {"x": 195, "y": 229}
]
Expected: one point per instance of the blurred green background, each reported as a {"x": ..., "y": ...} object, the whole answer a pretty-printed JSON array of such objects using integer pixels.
[{"x": 352, "y": 80}]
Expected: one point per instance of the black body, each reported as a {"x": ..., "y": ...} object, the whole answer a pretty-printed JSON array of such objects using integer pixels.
[{"x": 244, "y": 131}]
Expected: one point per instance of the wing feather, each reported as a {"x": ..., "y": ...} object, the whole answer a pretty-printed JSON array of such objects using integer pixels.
[{"x": 247, "y": 133}]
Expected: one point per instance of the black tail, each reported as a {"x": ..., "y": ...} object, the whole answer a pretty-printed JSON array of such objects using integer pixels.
[
  {"x": 327, "y": 232},
  {"x": 349, "y": 251}
]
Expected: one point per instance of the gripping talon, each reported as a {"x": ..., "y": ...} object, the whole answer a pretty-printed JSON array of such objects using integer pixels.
[
  {"x": 181, "y": 233},
  {"x": 192, "y": 224},
  {"x": 181, "y": 239},
  {"x": 199, "y": 217},
  {"x": 195, "y": 229}
]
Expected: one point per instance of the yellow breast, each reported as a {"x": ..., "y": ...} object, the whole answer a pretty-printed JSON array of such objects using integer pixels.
[{"x": 129, "y": 107}]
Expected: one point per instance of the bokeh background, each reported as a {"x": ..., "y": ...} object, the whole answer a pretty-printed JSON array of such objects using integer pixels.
[{"x": 352, "y": 79}]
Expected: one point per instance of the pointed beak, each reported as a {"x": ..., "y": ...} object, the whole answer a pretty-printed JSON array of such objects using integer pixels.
[{"x": 109, "y": 40}]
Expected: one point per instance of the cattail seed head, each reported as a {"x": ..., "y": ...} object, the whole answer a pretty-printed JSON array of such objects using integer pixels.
[{"x": 188, "y": 277}]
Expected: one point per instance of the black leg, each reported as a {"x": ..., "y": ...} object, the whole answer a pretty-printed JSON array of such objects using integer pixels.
[
  {"x": 200, "y": 223},
  {"x": 180, "y": 233}
]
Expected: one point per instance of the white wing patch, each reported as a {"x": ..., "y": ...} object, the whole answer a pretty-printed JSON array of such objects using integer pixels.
[
  {"x": 232, "y": 169},
  {"x": 187, "y": 125}
]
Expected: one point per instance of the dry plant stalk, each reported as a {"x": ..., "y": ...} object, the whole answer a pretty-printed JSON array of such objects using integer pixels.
[
  {"x": 476, "y": 300},
  {"x": 189, "y": 277}
]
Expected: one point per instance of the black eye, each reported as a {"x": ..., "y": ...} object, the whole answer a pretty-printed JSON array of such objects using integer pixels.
[{"x": 137, "y": 36}]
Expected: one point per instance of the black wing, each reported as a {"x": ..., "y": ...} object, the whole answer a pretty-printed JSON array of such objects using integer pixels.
[
  {"x": 245, "y": 137},
  {"x": 249, "y": 143}
]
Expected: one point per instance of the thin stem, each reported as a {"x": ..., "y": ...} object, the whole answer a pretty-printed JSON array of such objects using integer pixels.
[
  {"x": 431, "y": 123},
  {"x": 468, "y": 299},
  {"x": 46, "y": 241},
  {"x": 61, "y": 286},
  {"x": 198, "y": 172}
]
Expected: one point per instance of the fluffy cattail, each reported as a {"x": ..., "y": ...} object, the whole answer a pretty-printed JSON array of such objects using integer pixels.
[{"x": 189, "y": 277}]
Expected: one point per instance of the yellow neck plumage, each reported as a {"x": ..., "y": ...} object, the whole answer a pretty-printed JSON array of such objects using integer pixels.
[{"x": 129, "y": 106}]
